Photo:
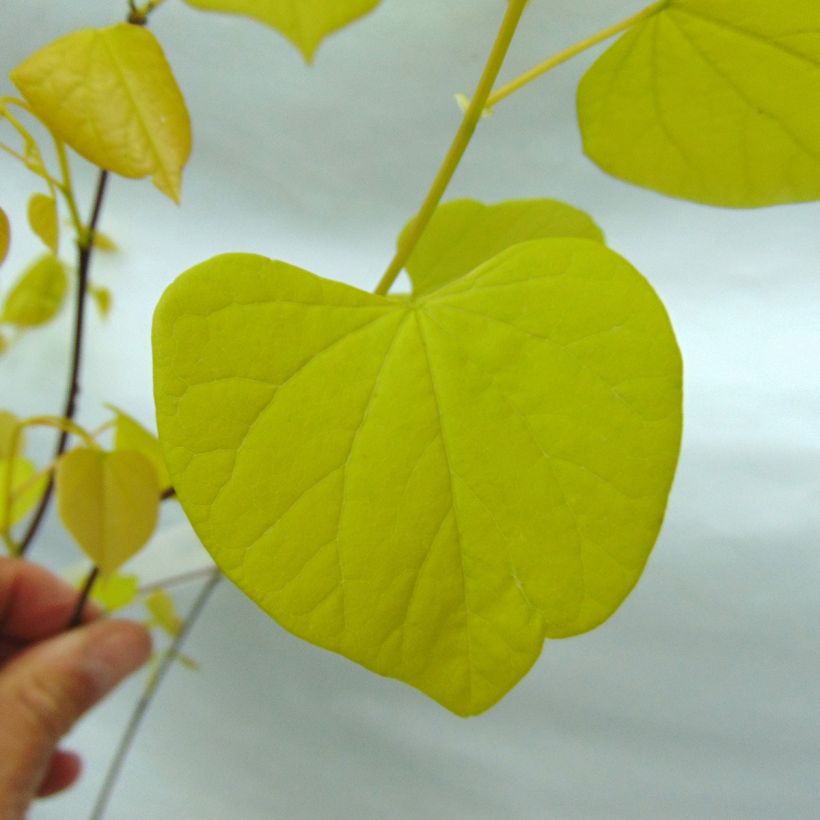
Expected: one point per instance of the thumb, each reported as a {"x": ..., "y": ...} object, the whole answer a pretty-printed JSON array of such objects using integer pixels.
[{"x": 46, "y": 688}]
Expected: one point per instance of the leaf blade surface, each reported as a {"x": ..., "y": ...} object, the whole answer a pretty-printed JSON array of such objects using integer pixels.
[
  {"x": 463, "y": 234},
  {"x": 304, "y": 22},
  {"x": 424, "y": 486},
  {"x": 711, "y": 100},
  {"x": 127, "y": 114}
]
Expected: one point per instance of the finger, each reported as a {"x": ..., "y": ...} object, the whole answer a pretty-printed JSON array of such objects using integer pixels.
[
  {"x": 47, "y": 687},
  {"x": 63, "y": 770},
  {"x": 34, "y": 603}
]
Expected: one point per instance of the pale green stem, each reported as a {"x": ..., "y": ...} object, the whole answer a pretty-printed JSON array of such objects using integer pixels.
[
  {"x": 459, "y": 145},
  {"x": 148, "y": 695},
  {"x": 67, "y": 189},
  {"x": 572, "y": 51}
]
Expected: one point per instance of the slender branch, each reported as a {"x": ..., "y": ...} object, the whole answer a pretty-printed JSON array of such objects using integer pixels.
[
  {"x": 176, "y": 580},
  {"x": 147, "y": 698},
  {"x": 82, "y": 598},
  {"x": 85, "y": 246},
  {"x": 459, "y": 145},
  {"x": 570, "y": 52}
]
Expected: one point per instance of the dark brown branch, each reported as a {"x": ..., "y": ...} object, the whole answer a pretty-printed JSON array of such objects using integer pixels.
[
  {"x": 82, "y": 598},
  {"x": 85, "y": 249}
]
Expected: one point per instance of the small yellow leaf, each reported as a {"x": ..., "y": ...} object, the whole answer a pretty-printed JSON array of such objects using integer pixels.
[
  {"x": 25, "y": 489},
  {"x": 127, "y": 114},
  {"x": 108, "y": 502},
  {"x": 131, "y": 435},
  {"x": 115, "y": 592},
  {"x": 8, "y": 425},
  {"x": 5, "y": 236},
  {"x": 103, "y": 242},
  {"x": 38, "y": 294},
  {"x": 102, "y": 296},
  {"x": 304, "y": 22},
  {"x": 4, "y": 344},
  {"x": 161, "y": 606},
  {"x": 463, "y": 102},
  {"x": 42, "y": 217}
]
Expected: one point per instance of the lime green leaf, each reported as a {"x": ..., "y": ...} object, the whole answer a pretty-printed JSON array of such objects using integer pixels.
[
  {"x": 102, "y": 297},
  {"x": 711, "y": 100},
  {"x": 42, "y": 217},
  {"x": 116, "y": 591},
  {"x": 304, "y": 22},
  {"x": 108, "y": 502},
  {"x": 25, "y": 487},
  {"x": 38, "y": 295},
  {"x": 8, "y": 425},
  {"x": 127, "y": 113},
  {"x": 131, "y": 435},
  {"x": 103, "y": 242},
  {"x": 5, "y": 236},
  {"x": 161, "y": 606},
  {"x": 431, "y": 486},
  {"x": 464, "y": 233}
]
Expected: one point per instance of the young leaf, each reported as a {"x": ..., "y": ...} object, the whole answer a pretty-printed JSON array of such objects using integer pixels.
[
  {"x": 5, "y": 236},
  {"x": 38, "y": 294},
  {"x": 131, "y": 435},
  {"x": 464, "y": 233},
  {"x": 25, "y": 489},
  {"x": 8, "y": 425},
  {"x": 116, "y": 591},
  {"x": 102, "y": 298},
  {"x": 161, "y": 606},
  {"x": 103, "y": 242},
  {"x": 42, "y": 217},
  {"x": 108, "y": 502},
  {"x": 127, "y": 113},
  {"x": 430, "y": 486},
  {"x": 711, "y": 100},
  {"x": 304, "y": 22}
]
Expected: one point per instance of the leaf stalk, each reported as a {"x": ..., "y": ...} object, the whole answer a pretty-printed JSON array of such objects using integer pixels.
[
  {"x": 461, "y": 141},
  {"x": 572, "y": 51}
]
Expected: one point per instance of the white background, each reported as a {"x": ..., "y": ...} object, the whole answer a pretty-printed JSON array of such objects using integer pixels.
[{"x": 699, "y": 698}]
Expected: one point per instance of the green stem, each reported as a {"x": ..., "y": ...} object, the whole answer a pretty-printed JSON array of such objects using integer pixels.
[
  {"x": 572, "y": 51},
  {"x": 67, "y": 190},
  {"x": 459, "y": 145},
  {"x": 145, "y": 701}
]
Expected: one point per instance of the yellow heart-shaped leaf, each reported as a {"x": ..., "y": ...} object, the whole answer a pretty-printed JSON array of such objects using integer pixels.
[
  {"x": 428, "y": 486},
  {"x": 463, "y": 233},
  {"x": 127, "y": 114},
  {"x": 109, "y": 502},
  {"x": 717, "y": 101},
  {"x": 129, "y": 434},
  {"x": 304, "y": 22}
]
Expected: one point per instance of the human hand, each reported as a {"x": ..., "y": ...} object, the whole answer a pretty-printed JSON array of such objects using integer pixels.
[{"x": 50, "y": 677}]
